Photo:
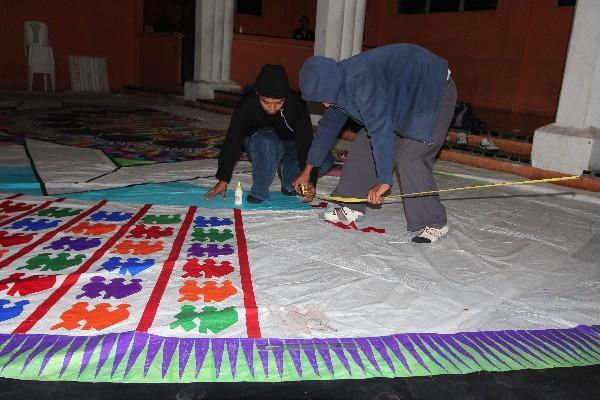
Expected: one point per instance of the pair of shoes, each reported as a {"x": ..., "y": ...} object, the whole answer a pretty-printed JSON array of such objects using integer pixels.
[
  {"x": 288, "y": 192},
  {"x": 461, "y": 139},
  {"x": 487, "y": 144},
  {"x": 251, "y": 199},
  {"x": 431, "y": 235},
  {"x": 342, "y": 214}
]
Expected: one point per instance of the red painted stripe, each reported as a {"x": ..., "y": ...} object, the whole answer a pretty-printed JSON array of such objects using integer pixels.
[
  {"x": 252, "y": 324},
  {"x": 50, "y": 235},
  {"x": 73, "y": 277},
  {"x": 26, "y": 213},
  {"x": 13, "y": 196},
  {"x": 165, "y": 274}
]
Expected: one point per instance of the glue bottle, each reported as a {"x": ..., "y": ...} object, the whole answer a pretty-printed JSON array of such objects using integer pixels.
[{"x": 239, "y": 194}]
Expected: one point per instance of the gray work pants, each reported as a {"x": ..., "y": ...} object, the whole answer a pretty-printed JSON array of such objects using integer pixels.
[{"x": 414, "y": 164}]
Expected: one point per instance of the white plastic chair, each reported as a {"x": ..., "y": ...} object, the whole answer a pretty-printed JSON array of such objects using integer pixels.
[{"x": 38, "y": 53}]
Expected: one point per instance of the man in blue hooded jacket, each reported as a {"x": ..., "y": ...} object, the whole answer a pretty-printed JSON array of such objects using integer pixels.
[{"x": 404, "y": 97}]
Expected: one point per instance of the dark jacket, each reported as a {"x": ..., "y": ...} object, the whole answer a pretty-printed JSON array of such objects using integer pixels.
[
  {"x": 390, "y": 90},
  {"x": 291, "y": 123}
]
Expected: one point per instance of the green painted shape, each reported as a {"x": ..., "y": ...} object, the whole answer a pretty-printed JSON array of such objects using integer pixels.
[
  {"x": 58, "y": 212},
  {"x": 45, "y": 262},
  {"x": 215, "y": 320},
  {"x": 161, "y": 219},
  {"x": 212, "y": 235},
  {"x": 185, "y": 318}
]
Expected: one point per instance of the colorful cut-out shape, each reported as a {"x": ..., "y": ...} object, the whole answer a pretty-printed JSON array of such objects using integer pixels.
[
  {"x": 133, "y": 265},
  {"x": 8, "y": 311},
  {"x": 212, "y": 235},
  {"x": 8, "y": 240},
  {"x": 117, "y": 288},
  {"x": 31, "y": 224},
  {"x": 209, "y": 291},
  {"x": 28, "y": 285},
  {"x": 101, "y": 317},
  {"x": 209, "y": 250},
  {"x": 143, "y": 247},
  {"x": 208, "y": 268},
  {"x": 161, "y": 219},
  {"x": 70, "y": 243},
  {"x": 150, "y": 232},
  {"x": 87, "y": 229},
  {"x": 203, "y": 222},
  {"x": 210, "y": 318},
  {"x": 110, "y": 216},
  {"x": 46, "y": 261},
  {"x": 10, "y": 207},
  {"x": 58, "y": 212}
]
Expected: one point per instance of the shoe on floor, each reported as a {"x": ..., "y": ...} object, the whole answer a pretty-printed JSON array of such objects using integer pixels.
[
  {"x": 431, "y": 235},
  {"x": 461, "y": 139},
  {"x": 487, "y": 144},
  {"x": 252, "y": 199},
  {"x": 342, "y": 214}
]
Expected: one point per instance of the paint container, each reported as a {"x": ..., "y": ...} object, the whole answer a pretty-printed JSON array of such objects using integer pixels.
[{"x": 239, "y": 194}]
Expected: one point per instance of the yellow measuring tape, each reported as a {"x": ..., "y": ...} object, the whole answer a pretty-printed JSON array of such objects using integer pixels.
[{"x": 529, "y": 182}]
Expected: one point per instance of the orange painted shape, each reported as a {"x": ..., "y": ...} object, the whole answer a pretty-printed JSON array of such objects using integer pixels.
[{"x": 90, "y": 229}]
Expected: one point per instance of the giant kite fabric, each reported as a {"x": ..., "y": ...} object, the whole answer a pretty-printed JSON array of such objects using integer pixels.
[{"x": 111, "y": 292}]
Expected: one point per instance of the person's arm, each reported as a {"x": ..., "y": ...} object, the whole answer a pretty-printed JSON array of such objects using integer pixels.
[
  {"x": 333, "y": 120},
  {"x": 303, "y": 133},
  {"x": 370, "y": 95},
  {"x": 230, "y": 152}
]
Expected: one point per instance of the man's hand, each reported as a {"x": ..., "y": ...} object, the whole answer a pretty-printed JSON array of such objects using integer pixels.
[
  {"x": 219, "y": 188},
  {"x": 375, "y": 193},
  {"x": 309, "y": 193},
  {"x": 303, "y": 179}
]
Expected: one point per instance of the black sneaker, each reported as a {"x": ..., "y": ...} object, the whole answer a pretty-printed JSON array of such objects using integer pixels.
[{"x": 252, "y": 199}]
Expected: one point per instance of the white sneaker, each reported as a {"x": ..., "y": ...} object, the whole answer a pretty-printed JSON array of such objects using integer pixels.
[
  {"x": 431, "y": 235},
  {"x": 461, "y": 139},
  {"x": 342, "y": 214},
  {"x": 487, "y": 144}
]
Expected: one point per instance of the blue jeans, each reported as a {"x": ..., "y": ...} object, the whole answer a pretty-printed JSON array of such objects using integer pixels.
[{"x": 269, "y": 154}]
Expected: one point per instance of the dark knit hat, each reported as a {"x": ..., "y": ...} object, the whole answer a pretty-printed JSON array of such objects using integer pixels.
[{"x": 272, "y": 81}]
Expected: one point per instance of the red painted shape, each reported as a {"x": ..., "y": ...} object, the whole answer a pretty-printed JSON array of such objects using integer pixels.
[
  {"x": 29, "y": 212},
  {"x": 7, "y": 240},
  {"x": 50, "y": 235},
  {"x": 157, "y": 293},
  {"x": 252, "y": 324},
  {"x": 73, "y": 277},
  {"x": 26, "y": 285}
]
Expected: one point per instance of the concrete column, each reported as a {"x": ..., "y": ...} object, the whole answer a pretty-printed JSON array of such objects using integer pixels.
[
  {"x": 339, "y": 29},
  {"x": 572, "y": 144},
  {"x": 212, "y": 53}
]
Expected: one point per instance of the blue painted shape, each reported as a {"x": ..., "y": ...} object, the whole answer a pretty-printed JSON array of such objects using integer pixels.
[
  {"x": 185, "y": 194},
  {"x": 19, "y": 180}
]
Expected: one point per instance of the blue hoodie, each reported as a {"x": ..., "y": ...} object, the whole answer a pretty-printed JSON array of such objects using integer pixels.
[{"x": 390, "y": 90}]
